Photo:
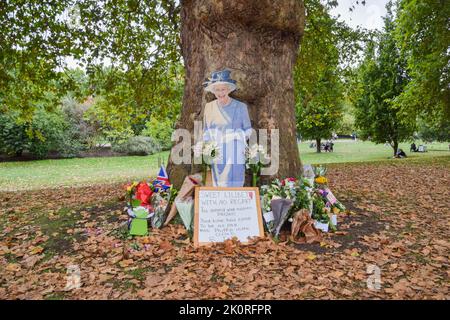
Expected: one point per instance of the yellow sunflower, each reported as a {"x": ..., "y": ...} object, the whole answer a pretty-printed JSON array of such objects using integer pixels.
[{"x": 321, "y": 180}]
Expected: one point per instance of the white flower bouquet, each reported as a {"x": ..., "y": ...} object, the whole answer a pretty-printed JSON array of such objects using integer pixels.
[
  {"x": 209, "y": 152},
  {"x": 256, "y": 157}
]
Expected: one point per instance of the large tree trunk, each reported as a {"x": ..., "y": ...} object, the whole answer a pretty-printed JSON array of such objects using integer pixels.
[{"x": 258, "y": 41}]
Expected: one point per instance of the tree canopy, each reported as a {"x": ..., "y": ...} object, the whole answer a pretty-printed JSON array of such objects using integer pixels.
[
  {"x": 422, "y": 32},
  {"x": 138, "y": 40},
  {"x": 382, "y": 78},
  {"x": 328, "y": 50}
]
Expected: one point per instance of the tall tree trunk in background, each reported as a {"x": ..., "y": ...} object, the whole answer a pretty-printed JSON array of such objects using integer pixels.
[
  {"x": 318, "y": 145},
  {"x": 395, "y": 146},
  {"x": 258, "y": 41}
]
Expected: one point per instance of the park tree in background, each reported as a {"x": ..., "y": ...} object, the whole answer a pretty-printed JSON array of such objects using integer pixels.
[
  {"x": 429, "y": 131},
  {"x": 136, "y": 41},
  {"x": 320, "y": 71},
  {"x": 347, "y": 125},
  {"x": 140, "y": 42},
  {"x": 33, "y": 40},
  {"x": 422, "y": 31},
  {"x": 382, "y": 79},
  {"x": 126, "y": 101}
]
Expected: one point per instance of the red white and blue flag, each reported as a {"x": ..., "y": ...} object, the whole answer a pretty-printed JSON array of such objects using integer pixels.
[{"x": 162, "y": 180}]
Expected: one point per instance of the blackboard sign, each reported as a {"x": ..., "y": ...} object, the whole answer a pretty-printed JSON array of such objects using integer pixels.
[{"x": 224, "y": 213}]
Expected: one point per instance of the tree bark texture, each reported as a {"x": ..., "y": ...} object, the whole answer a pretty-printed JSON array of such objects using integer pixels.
[{"x": 258, "y": 41}]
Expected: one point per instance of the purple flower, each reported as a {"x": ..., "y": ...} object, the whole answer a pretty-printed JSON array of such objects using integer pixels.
[{"x": 323, "y": 193}]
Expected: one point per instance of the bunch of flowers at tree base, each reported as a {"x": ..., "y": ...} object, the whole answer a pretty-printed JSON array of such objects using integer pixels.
[
  {"x": 325, "y": 205},
  {"x": 311, "y": 193},
  {"x": 255, "y": 159},
  {"x": 289, "y": 188},
  {"x": 320, "y": 171},
  {"x": 209, "y": 153},
  {"x": 152, "y": 196}
]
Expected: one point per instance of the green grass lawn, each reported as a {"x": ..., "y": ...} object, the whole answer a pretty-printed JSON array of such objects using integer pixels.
[
  {"x": 359, "y": 151},
  {"x": 38, "y": 174},
  {"x": 86, "y": 171}
]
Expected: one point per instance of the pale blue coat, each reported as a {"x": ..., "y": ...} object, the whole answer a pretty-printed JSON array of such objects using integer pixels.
[{"x": 230, "y": 127}]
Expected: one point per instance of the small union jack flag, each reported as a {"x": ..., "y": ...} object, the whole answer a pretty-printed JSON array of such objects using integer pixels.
[{"x": 162, "y": 180}]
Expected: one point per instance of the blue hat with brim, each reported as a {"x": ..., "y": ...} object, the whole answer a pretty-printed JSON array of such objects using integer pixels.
[{"x": 220, "y": 77}]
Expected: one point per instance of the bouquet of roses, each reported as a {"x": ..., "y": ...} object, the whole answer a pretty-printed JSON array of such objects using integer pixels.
[
  {"x": 292, "y": 189},
  {"x": 139, "y": 194},
  {"x": 288, "y": 188},
  {"x": 145, "y": 196}
]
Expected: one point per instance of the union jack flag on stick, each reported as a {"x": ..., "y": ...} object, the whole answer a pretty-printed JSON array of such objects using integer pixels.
[{"x": 162, "y": 180}]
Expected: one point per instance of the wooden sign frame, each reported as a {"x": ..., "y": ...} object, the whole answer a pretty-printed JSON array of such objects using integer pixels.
[{"x": 197, "y": 217}]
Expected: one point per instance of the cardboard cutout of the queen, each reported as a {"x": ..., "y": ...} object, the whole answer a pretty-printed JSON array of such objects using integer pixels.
[{"x": 226, "y": 121}]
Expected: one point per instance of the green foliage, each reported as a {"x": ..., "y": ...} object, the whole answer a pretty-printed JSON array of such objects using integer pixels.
[
  {"x": 137, "y": 146},
  {"x": 434, "y": 131},
  {"x": 33, "y": 40},
  {"x": 13, "y": 137},
  {"x": 382, "y": 79},
  {"x": 47, "y": 132},
  {"x": 130, "y": 99},
  {"x": 160, "y": 130},
  {"x": 317, "y": 76},
  {"x": 139, "y": 39},
  {"x": 81, "y": 130},
  {"x": 422, "y": 31},
  {"x": 26, "y": 175}
]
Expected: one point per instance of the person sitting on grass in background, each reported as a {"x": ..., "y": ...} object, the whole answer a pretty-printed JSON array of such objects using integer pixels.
[
  {"x": 413, "y": 148},
  {"x": 330, "y": 146},
  {"x": 400, "y": 154}
]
